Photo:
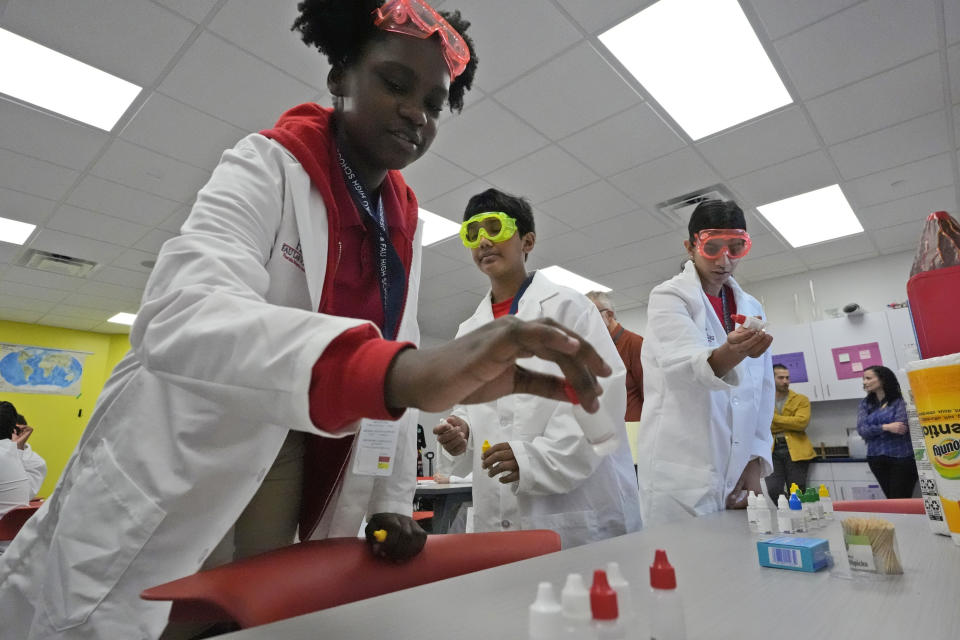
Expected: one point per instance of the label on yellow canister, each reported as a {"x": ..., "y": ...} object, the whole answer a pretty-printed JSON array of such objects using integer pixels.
[{"x": 936, "y": 391}]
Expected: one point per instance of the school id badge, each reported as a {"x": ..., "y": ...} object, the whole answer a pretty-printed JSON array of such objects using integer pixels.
[{"x": 376, "y": 447}]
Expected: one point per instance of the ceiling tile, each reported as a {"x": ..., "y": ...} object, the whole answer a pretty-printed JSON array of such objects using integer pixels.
[
  {"x": 35, "y": 277},
  {"x": 110, "y": 327},
  {"x": 561, "y": 250},
  {"x": 951, "y": 11},
  {"x": 908, "y": 141},
  {"x": 548, "y": 100},
  {"x": 435, "y": 263},
  {"x": 780, "y": 18},
  {"x": 20, "y": 315},
  {"x": 542, "y": 175},
  {"x": 154, "y": 240},
  {"x": 914, "y": 209},
  {"x": 176, "y": 130},
  {"x": 431, "y": 176},
  {"x": 625, "y": 140},
  {"x": 588, "y": 205},
  {"x": 146, "y": 170},
  {"x": 33, "y": 176},
  {"x": 858, "y": 244},
  {"x": 176, "y": 219},
  {"x": 953, "y": 67},
  {"x": 765, "y": 244},
  {"x": 640, "y": 293},
  {"x": 630, "y": 278},
  {"x": 900, "y": 182},
  {"x": 908, "y": 91},
  {"x": 635, "y": 254},
  {"x": 790, "y": 178},
  {"x": 9, "y": 252},
  {"x": 548, "y": 226},
  {"x": 48, "y": 137},
  {"x": 122, "y": 277},
  {"x": 756, "y": 269},
  {"x": 104, "y": 33},
  {"x": 85, "y": 223},
  {"x": 75, "y": 246},
  {"x": 897, "y": 238},
  {"x": 216, "y": 77},
  {"x": 767, "y": 140},
  {"x": 80, "y": 324},
  {"x": 9, "y": 288},
  {"x": 263, "y": 29},
  {"x": 858, "y": 42},
  {"x": 484, "y": 137},
  {"x": 452, "y": 282},
  {"x": 195, "y": 10},
  {"x": 103, "y": 196},
  {"x": 668, "y": 177},
  {"x": 112, "y": 291},
  {"x": 27, "y": 304},
  {"x": 133, "y": 259},
  {"x": 623, "y": 229},
  {"x": 24, "y": 207},
  {"x": 85, "y": 313},
  {"x": 501, "y": 29},
  {"x": 596, "y": 17}
]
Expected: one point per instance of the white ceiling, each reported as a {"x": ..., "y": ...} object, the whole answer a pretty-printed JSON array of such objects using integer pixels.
[{"x": 875, "y": 83}]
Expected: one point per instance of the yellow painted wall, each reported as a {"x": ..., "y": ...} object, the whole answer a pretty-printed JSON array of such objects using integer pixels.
[{"x": 58, "y": 421}]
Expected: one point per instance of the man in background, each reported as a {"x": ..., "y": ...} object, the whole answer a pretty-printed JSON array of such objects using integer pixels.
[
  {"x": 628, "y": 346},
  {"x": 792, "y": 450}
]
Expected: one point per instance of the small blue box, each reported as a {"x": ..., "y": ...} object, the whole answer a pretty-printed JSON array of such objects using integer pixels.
[{"x": 797, "y": 554}]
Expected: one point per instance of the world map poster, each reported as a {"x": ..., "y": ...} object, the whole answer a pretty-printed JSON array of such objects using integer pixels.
[{"x": 25, "y": 369}]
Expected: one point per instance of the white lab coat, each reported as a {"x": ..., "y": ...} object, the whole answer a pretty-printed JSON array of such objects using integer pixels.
[
  {"x": 15, "y": 489},
  {"x": 698, "y": 431},
  {"x": 35, "y": 467},
  {"x": 193, "y": 417},
  {"x": 564, "y": 485}
]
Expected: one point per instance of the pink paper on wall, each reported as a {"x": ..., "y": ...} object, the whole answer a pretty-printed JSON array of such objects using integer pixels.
[{"x": 851, "y": 361}]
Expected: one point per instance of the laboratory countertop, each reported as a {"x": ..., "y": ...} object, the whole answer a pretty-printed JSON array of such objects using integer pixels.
[{"x": 726, "y": 593}]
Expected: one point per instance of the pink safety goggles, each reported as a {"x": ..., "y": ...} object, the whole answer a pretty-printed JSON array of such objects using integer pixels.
[
  {"x": 713, "y": 243},
  {"x": 418, "y": 19}
]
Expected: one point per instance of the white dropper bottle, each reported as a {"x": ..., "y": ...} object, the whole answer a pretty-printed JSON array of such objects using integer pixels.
[
  {"x": 764, "y": 517},
  {"x": 666, "y": 611},
  {"x": 546, "y": 615},
  {"x": 577, "y": 615},
  {"x": 752, "y": 512},
  {"x": 624, "y": 595},
  {"x": 784, "y": 517}
]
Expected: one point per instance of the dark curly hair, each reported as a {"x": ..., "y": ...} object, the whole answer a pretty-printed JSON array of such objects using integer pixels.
[
  {"x": 890, "y": 384},
  {"x": 341, "y": 29},
  {"x": 8, "y": 420},
  {"x": 495, "y": 200},
  {"x": 715, "y": 214}
]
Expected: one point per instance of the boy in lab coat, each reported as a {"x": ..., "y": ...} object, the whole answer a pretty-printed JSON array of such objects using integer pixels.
[{"x": 539, "y": 471}]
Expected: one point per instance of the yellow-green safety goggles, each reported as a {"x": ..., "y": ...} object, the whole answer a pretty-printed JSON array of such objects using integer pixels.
[{"x": 495, "y": 226}]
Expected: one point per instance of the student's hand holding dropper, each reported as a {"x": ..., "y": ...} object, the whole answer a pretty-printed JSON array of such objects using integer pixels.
[{"x": 481, "y": 366}]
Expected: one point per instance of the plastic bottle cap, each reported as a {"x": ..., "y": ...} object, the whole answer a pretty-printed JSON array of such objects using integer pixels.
[
  {"x": 752, "y": 499},
  {"x": 570, "y": 392},
  {"x": 603, "y": 599},
  {"x": 739, "y": 318},
  {"x": 485, "y": 446},
  {"x": 795, "y": 503},
  {"x": 622, "y": 587},
  {"x": 824, "y": 492},
  {"x": 812, "y": 495},
  {"x": 662, "y": 575},
  {"x": 545, "y": 614},
  {"x": 794, "y": 487},
  {"x": 575, "y": 598},
  {"x": 380, "y": 535}
]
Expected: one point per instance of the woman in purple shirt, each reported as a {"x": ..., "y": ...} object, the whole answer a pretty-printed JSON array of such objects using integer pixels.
[{"x": 882, "y": 422}]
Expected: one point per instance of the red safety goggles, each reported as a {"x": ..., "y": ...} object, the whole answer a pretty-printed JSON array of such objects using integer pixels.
[
  {"x": 418, "y": 19},
  {"x": 713, "y": 243}
]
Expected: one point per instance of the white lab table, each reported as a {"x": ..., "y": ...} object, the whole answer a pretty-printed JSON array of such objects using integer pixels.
[{"x": 726, "y": 593}]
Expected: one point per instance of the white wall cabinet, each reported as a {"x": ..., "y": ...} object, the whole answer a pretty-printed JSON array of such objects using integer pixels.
[
  {"x": 845, "y": 480},
  {"x": 890, "y": 330}
]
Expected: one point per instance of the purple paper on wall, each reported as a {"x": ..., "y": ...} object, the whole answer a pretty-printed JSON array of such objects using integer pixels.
[
  {"x": 851, "y": 361},
  {"x": 796, "y": 365}
]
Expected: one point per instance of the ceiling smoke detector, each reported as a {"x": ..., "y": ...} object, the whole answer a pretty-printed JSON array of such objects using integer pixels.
[
  {"x": 56, "y": 263},
  {"x": 680, "y": 208}
]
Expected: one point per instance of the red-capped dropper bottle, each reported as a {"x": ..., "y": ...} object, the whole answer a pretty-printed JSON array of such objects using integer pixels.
[
  {"x": 603, "y": 604},
  {"x": 666, "y": 613}
]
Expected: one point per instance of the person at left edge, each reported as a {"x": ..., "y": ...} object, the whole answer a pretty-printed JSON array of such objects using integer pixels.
[
  {"x": 540, "y": 472},
  {"x": 232, "y": 363}
]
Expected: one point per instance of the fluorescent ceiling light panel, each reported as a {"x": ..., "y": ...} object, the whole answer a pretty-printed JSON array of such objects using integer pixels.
[
  {"x": 701, "y": 60},
  {"x": 815, "y": 216},
  {"x": 40, "y": 76},
  {"x": 14, "y": 231},
  {"x": 123, "y": 318},
  {"x": 437, "y": 228},
  {"x": 572, "y": 280}
]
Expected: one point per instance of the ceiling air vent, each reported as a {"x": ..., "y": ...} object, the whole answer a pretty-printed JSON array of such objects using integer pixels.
[
  {"x": 680, "y": 208},
  {"x": 56, "y": 263}
]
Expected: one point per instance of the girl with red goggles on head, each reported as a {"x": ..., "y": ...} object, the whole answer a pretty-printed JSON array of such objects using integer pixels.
[
  {"x": 705, "y": 376},
  {"x": 279, "y": 324}
]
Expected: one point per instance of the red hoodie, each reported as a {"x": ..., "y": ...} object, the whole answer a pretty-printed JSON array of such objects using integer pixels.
[{"x": 348, "y": 379}]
